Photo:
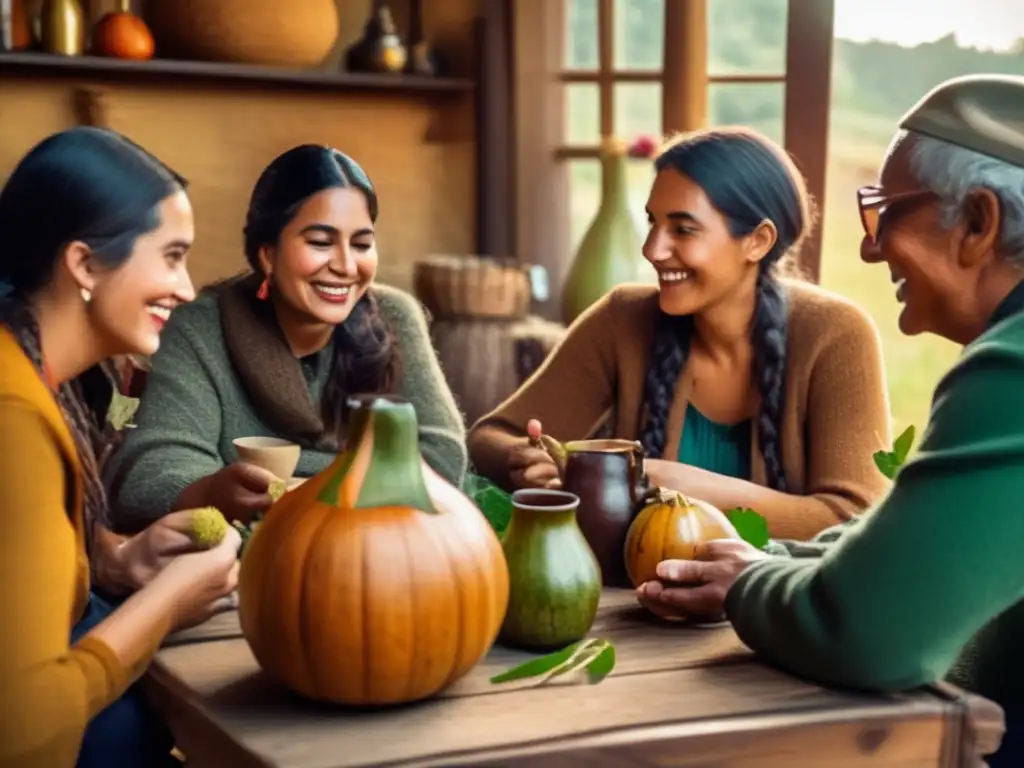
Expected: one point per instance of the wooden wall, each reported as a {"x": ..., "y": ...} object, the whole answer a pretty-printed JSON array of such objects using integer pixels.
[{"x": 420, "y": 152}]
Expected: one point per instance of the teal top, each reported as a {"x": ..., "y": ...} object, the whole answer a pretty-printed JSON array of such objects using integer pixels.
[
  {"x": 720, "y": 448},
  {"x": 930, "y": 582}
]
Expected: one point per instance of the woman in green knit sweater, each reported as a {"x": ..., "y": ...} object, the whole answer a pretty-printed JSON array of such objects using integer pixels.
[{"x": 277, "y": 352}]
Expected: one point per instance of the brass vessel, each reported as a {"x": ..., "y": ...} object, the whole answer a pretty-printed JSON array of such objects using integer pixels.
[
  {"x": 62, "y": 27},
  {"x": 380, "y": 49}
]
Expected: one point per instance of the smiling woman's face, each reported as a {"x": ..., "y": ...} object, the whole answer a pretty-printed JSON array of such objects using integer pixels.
[
  {"x": 326, "y": 257},
  {"x": 131, "y": 304},
  {"x": 698, "y": 260}
]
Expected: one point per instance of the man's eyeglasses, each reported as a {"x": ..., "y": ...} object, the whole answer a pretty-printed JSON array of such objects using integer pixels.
[{"x": 873, "y": 202}]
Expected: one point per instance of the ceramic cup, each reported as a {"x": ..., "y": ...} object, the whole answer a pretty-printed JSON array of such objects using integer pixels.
[{"x": 277, "y": 456}]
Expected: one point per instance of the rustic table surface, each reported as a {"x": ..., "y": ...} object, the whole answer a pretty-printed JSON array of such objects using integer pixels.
[{"x": 679, "y": 696}]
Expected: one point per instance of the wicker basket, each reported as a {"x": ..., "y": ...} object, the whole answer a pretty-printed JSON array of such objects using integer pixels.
[{"x": 472, "y": 286}]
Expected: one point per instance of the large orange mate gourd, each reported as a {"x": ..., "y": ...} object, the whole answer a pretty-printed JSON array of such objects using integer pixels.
[{"x": 376, "y": 581}]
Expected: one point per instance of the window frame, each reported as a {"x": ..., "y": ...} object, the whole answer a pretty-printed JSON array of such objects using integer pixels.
[{"x": 541, "y": 173}]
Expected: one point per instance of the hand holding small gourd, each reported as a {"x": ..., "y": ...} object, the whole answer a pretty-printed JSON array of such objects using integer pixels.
[
  {"x": 698, "y": 588},
  {"x": 667, "y": 551}
]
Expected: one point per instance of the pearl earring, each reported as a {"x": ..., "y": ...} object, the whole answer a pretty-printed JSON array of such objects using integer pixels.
[{"x": 86, "y": 295}]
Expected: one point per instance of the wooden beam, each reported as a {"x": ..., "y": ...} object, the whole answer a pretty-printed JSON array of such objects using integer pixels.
[
  {"x": 808, "y": 98},
  {"x": 606, "y": 63},
  {"x": 495, "y": 212},
  {"x": 654, "y": 76},
  {"x": 541, "y": 189},
  {"x": 684, "y": 90}
]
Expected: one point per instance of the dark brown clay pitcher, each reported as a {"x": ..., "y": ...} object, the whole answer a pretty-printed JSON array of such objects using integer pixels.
[{"x": 608, "y": 476}]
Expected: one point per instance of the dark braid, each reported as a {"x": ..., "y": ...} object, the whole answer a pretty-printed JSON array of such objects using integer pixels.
[
  {"x": 768, "y": 334},
  {"x": 366, "y": 358},
  {"x": 88, "y": 431},
  {"x": 669, "y": 351},
  {"x": 668, "y": 360}
]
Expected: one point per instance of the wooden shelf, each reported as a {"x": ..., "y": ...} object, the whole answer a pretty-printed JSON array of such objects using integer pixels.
[{"x": 186, "y": 73}]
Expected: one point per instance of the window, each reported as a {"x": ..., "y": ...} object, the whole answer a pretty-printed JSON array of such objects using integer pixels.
[{"x": 588, "y": 69}]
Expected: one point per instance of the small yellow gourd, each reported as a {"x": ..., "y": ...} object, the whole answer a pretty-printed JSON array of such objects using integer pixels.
[{"x": 670, "y": 527}]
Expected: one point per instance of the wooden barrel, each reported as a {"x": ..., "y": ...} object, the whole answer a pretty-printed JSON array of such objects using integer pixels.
[{"x": 479, "y": 357}]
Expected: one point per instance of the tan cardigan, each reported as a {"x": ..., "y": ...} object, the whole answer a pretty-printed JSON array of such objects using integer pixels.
[{"x": 836, "y": 411}]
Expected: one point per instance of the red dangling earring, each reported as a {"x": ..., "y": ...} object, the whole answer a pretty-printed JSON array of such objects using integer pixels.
[
  {"x": 48, "y": 377},
  {"x": 264, "y": 292}
]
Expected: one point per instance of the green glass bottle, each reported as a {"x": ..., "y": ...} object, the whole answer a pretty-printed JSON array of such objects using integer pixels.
[{"x": 611, "y": 251}]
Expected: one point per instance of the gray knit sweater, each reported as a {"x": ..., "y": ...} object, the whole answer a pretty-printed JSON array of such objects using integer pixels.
[{"x": 195, "y": 404}]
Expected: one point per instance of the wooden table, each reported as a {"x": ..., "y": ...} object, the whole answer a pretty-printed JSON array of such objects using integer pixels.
[{"x": 679, "y": 696}]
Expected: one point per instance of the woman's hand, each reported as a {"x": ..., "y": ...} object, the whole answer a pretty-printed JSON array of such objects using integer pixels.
[
  {"x": 239, "y": 491},
  {"x": 530, "y": 466},
  {"x": 202, "y": 583},
  {"x": 138, "y": 559},
  {"x": 687, "y": 588}
]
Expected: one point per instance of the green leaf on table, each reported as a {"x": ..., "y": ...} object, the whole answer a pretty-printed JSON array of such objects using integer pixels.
[
  {"x": 751, "y": 526},
  {"x": 535, "y": 667},
  {"x": 602, "y": 665},
  {"x": 596, "y": 656}
]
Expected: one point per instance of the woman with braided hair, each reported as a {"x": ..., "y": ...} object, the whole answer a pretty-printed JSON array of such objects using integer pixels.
[
  {"x": 746, "y": 388},
  {"x": 93, "y": 238}
]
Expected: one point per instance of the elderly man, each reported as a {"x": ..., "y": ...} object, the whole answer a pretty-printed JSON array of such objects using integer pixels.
[{"x": 930, "y": 583}]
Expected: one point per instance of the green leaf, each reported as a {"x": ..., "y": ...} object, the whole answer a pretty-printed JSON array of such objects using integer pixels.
[
  {"x": 596, "y": 656},
  {"x": 582, "y": 658},
  {"x": 121, "y": 410},
  {"x": 886, "y": 463},
  {"x": 246, "y": 531},
  {"x": 493, "y": 502},
  {"x": 902, "y": 445},
  {"x": 751, "y": 526},
  {"x": 602, "y": 665},
  {"x": 535, "y": 667}
]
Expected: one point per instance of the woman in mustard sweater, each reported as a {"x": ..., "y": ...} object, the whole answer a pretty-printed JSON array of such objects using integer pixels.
[
  {"x": 746, "y": 390},
  {"x": 93, "y": 238}
]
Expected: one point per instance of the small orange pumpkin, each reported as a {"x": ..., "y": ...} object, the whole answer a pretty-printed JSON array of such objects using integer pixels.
[
  {"x": 375, "y": 581},
  {"x": 669, "y": 527},
  {"x": 21, "y": 28},
  {"x": 122, "y": 35}
]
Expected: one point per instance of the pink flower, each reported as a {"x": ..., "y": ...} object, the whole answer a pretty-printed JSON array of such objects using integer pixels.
[{"x": 643, "y": 147}]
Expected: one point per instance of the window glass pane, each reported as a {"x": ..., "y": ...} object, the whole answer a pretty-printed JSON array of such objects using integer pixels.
[
  {"x": 756, "y": 105},
  {"x": 873, "y": 83},
  {"x": 747, "y": 36},
  {"x": 637, "y": 109},
  {"x": 582, "y": 105},
  {"x": 585, "y": 195},
  {"x": 639, "y": 28},
  {"x": 580, "y": 34}
]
